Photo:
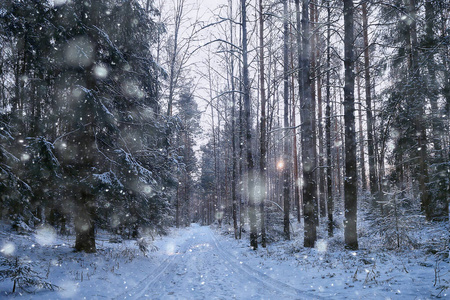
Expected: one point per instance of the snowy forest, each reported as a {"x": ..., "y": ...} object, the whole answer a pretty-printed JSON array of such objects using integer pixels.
[{"x": 232, "y": 149}]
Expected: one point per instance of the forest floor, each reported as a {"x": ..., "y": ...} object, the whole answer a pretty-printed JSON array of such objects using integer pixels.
[{"x": 201, "y": 262}]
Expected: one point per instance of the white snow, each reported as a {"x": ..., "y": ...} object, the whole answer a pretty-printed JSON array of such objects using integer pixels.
[{"x": 200, "y": 262}]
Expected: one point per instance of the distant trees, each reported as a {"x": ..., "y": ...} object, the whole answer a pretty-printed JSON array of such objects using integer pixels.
[
  {"x": 188, "y": 127},
  {"x": 398, "y": 122},
  {"x": 180, "y": 28}
]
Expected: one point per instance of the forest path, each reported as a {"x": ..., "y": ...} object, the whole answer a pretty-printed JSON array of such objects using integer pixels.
[{"x": 200, "y": 269}]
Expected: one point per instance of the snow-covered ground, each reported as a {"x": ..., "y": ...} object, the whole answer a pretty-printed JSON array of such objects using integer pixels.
[{"x": 203, "y": 263}]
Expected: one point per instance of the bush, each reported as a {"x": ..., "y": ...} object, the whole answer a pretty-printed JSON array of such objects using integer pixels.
[
  {"x": 400, "y": 219},
  {"x": 21, "y": 272}
]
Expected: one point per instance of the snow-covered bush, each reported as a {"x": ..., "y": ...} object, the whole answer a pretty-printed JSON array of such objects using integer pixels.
[
  {"x": 20, "y": 226},
  {"x": 21, "y": 272},
  {"x": 145, "y": 246},
  {"x": 397, "y": 224}
]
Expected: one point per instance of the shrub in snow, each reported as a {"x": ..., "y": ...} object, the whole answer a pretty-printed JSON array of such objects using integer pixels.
[
  {"x": 128, "y": 254},
  {"x": 21, "y": 227},
  {"x": 145, "y": 246},
  {"x": 401, "y": 217},
  {"x": 116, "y": 240},
  {"x": 21, "y": 273}
]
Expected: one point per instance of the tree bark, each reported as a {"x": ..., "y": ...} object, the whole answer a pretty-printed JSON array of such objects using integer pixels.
[
  {"x": 350, "y": 182},
  {"x": 233, "y": 129},
  {"x": 241, "y": 158},
  {"x": 84, "y": 223},
  {"x": 85, "y": 141},
  {"x": 312, "y": 53},
  {"x": 308, "y": 146},
  {"x": 373, "y": 179},
  {"x": 295, "y": 151},
  {"x": 322, "y": 199},
  {"x": 362, "y": 156},
  {"x": 286, "y": 179},
  {"x": 440, "y": 201},
  {"x": 418, "y": 108},
  {"x": 330, "y": 204},
  {"x": 263, "y": 121},
  {"x": 248, "y": 133}
]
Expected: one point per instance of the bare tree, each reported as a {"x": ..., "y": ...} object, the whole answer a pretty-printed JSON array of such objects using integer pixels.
[
  {"x": 179, "y": 46},
  {"x": 178, "y": 14}
]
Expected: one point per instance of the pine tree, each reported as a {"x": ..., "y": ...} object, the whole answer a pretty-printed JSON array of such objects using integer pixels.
[
  {"x": 308, "y": 151},
  {"x": 350, "y": 182},
  {"x": 91, "y": 129},
  {"x": 406, "y": 104}
]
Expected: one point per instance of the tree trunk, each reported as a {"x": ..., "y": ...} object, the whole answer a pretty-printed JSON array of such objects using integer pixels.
[
  {"x": 177, "y": 208},
  {"x": 263, "y": 139},
  {"x": 233, "y": 129},
  {"x": 215, "y": 137},
  {"x": 440, "y": 201},
  {"x": 295, "y": 151},
  {"x": 248, "y": 125},
  {"x": 241, "y": 160},
  {"x": 350, "y": 182},
  {"x": 446, "y": 95},
  {"x": 85, "y": 142},
  {"x": 308, "y": 146},
  {"x": 286, "y": 179},
  {"x": 373, "y": 179},
  {"x": 322, "y": 200},
  {"x": 84, "y": 224},
  {"x": 312, "y": 77},
  {"x": 362, "y": 157},
  {"x": 418, "y": 109},
  {"x": 330, "y": 204}
]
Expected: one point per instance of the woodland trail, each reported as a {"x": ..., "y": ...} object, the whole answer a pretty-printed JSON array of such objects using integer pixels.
[{"x": 199, "y": 268}]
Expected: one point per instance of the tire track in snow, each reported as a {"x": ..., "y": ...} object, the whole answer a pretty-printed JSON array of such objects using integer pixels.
[
  {"x": 138, "y": 291},
  {"x": 199, "y": 273},
  {"x": 259, "y": 276},
  {"x": 201, "y": 269}
]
